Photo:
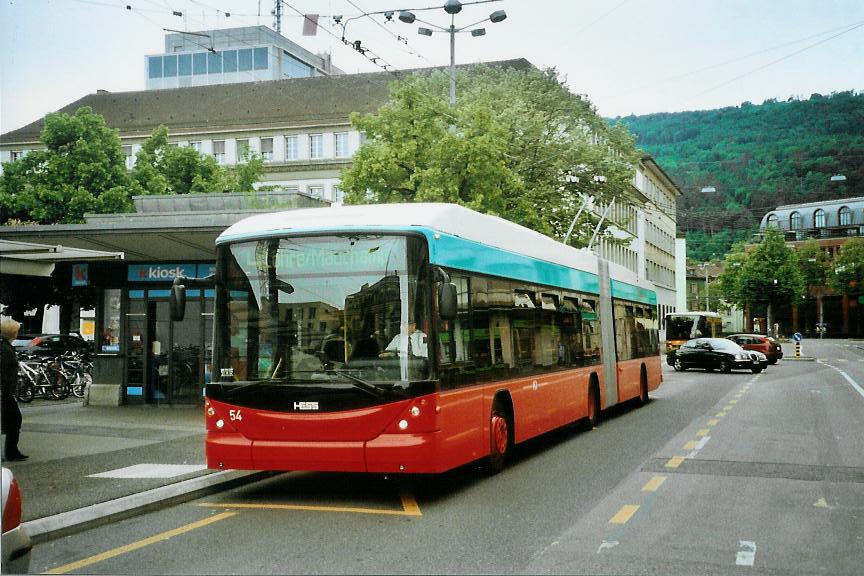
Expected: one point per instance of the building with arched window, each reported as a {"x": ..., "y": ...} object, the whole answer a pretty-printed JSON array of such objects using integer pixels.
[{"x": 831, "y": 223}]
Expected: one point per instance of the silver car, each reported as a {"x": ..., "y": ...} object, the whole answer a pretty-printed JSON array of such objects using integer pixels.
[{"x": 15, "y": 540}]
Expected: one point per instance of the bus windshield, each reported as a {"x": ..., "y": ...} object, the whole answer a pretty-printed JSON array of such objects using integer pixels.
[{"x": 344, "y": 314}]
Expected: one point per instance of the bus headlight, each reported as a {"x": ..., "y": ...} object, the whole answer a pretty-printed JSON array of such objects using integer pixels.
[
  {"x": 415, "y": 411},
  {"x": 220, "y": 423},
  {"x": 403, "y": 424}
]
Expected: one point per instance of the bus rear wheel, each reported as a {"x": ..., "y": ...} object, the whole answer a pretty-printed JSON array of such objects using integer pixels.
[
  {"x": 593, "y": 406},
  {"x": 499, "y": 437},
  {"x": 643, "y": 388}
]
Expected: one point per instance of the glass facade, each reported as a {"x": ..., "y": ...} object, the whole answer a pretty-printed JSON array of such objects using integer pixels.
[{"x": 200, "y": 63}]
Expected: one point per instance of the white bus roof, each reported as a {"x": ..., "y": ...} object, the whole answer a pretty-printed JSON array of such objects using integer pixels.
[{"x": 449, "y": 219}]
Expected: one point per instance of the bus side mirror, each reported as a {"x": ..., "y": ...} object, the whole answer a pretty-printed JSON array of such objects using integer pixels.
[
  {"x": 177, "y": 302},
  {"x": 447, "y": 301}
]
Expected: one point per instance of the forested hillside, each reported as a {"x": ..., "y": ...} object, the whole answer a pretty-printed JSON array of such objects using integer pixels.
[{"x": 757, "y": 157}]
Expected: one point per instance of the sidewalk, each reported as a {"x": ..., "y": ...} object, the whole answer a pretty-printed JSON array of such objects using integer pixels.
[{"x": 90, "y": 464}]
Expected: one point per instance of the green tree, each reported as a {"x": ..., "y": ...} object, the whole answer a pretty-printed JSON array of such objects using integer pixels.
[
  {"x": 517, "y": 144},
  {"x": 82, "y": 169},
  {"x": 162, "y": 168},
  {"x": 846, "y": 273},
  {"x": 769, "y": 275},
  {"x": 814, "y": 263}
]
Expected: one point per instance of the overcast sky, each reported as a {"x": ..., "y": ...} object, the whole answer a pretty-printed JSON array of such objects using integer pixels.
[{"x": 630, "y": 56}]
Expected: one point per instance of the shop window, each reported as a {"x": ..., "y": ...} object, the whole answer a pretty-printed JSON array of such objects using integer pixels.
[{"x": 110, "y": 329}]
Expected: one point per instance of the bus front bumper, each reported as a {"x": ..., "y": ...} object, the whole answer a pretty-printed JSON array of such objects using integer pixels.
[{"x": 388, "y": 453}]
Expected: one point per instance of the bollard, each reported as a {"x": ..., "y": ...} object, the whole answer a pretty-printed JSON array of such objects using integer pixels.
[{"x": 797, "y": 349}]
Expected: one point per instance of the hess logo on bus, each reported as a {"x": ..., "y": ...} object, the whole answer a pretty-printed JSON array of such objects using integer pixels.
[{"x": 305, "y": 405}]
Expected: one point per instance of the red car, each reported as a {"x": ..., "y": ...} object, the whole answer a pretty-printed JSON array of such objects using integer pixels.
[{"x": 760, "y": 343}]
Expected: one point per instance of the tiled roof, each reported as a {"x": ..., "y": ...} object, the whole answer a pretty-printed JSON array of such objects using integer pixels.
[{"x": 295, "y": 101}]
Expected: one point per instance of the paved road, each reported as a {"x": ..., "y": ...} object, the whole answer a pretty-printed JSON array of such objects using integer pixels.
[{"x": 718, "y": 474}]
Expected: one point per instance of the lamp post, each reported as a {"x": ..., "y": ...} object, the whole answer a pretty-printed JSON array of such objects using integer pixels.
[{"x": 452, "y": 7}]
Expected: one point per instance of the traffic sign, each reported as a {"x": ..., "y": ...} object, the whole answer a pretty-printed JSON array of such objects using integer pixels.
[{"x": 797, "y": 337}]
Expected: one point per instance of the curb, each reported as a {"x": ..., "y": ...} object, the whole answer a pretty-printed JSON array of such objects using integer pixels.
[
  {"x": 65, "y": 523},
  {"x": 800, "y": 359}
]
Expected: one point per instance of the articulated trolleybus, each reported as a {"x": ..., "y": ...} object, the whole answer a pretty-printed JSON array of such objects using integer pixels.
[{"x": 411, "y": 338}]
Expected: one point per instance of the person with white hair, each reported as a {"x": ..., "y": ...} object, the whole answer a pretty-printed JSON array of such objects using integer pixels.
[{"x": 11, "y": 415}]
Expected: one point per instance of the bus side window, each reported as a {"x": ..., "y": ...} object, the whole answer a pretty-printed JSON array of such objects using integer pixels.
[{"x": 454, "y": 340}]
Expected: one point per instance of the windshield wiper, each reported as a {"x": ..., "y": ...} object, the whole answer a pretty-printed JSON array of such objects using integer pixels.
[{"x": 373, "y": 389}]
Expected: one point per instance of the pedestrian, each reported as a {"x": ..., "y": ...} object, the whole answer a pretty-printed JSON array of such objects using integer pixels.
[{"x": 11, "y": 415}]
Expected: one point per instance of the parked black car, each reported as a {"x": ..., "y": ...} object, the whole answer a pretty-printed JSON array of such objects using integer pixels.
[
  {"x": 716, "y": 354},
  {"x": 52, "y": 344}
]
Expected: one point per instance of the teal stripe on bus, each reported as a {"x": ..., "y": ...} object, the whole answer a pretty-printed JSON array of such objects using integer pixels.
[
  {"x": 472, "y": 256},
  {"x": 626, "y": 291}
]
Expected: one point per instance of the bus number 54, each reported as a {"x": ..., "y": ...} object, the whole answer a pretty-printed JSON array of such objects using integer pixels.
[{"x": 235, "y": 415}]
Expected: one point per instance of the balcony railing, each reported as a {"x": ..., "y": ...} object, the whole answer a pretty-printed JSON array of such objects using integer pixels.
[{"x": 801, "y": 234}]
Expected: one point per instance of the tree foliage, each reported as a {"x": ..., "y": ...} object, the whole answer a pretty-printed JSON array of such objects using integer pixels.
[
  {"x": 517, "y": 144},
  {"x": 82, "y": 169},
  {"x": 845, "y": 275},
  {"x": 162, "y": 168},
  {"x": 769, "y": 274},
  {"x": 757, "y": 157}
]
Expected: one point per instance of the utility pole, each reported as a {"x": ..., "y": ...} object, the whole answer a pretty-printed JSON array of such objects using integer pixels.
[{"x": 277, "y": 16}]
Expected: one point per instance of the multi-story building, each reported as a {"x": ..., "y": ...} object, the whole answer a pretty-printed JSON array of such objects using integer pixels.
[
  {"x": 648, "y": 220},
  {"x": 232, "y": 55},
  {"x": 830, "y": 223}
]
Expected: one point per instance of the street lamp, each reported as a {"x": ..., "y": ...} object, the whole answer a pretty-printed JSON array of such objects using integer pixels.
[{"x": 452, "y": 7}]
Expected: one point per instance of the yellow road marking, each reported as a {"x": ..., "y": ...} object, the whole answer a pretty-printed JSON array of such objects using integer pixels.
[
  {"x": 691, "y": 445},
  {"x": 674, "y": 462},
  {"x": 409, "y": 507},
  {"x": 739, "y": 394},
  {"x": 703, "y": 432},
  {"x": 139, "y": 544},
  {"x": 654, "y": 484},
  {"x": 720, "y": 414},
  {"x": 728, "y": 407},
  {"x": 733, "y": 402},
  {"x": 624, "y": 514},
  {"x": 713, "y": 422}
]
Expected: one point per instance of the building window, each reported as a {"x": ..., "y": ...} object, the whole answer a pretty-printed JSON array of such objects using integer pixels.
[
  {"x": 196, "y": 146},
  {"x": 130, "y": 160},
  {"x": 844, "y": 216},
  {"x": 772, "y": 221},
  {"x": 184, "y": 64},
  {"x": 242, "y": 151},
  {"x": 214, "y": 63},
  {"x": 795, "y": 221},
  {"x": 261, "y": 58},
  {"x": 229, "y": 61},
  {"x": 267, "y": 149},
  {"x": 15, "y": 155},
  {"x": 292, "y": 151},
  {"x": 219, "y": 151},
  {"x": 819, "y": 218},
  {"x": 316, "y": 146},
  {"x": 199, "y": 63},
  {"x": 169, "y": 66},
  {"x": 316, "y": 191},
  {"x": 155, "y": 66},
  {"x": 244, "y": 59},
  {"x": 339, "y": 194},
  {"x": 340, "y": 143}
]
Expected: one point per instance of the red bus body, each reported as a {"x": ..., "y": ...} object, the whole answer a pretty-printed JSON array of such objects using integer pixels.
[{"x": 452, "y": 428}]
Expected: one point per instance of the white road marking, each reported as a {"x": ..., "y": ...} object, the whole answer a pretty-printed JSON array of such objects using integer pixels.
[
  {"x": 747, "y": 553},
  {"x": 847, "y": 377},
  {"x": 151, "y": 471},
  {"x": 606, "y": 545}
]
